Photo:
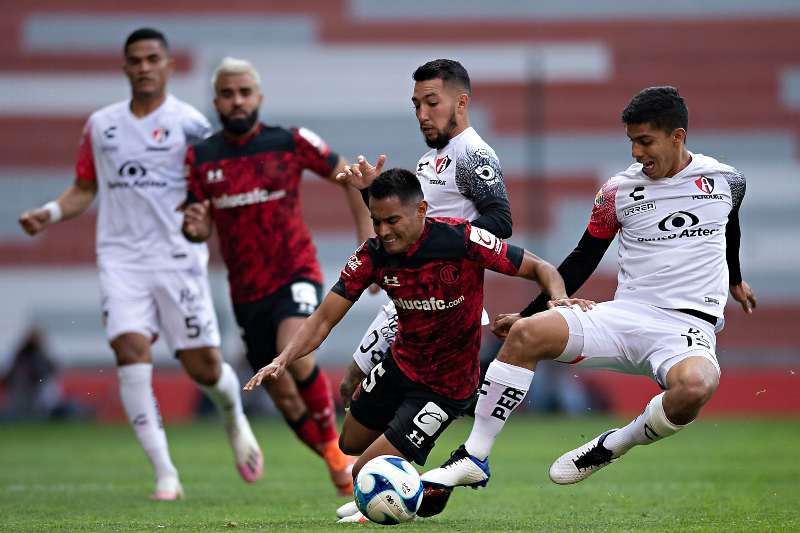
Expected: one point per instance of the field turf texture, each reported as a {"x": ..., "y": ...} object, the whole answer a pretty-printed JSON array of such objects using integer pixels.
[{"x": 717, "y": 475}]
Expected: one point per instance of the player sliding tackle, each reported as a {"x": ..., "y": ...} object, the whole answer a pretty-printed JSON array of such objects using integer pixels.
[
  {"x": 677, "y": 216},
  {"x": 432, "y": 268}
]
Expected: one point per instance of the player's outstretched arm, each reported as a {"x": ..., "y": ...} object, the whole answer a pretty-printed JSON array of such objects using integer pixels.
[
  {"x": 355, "y": 202},
  {"x": 197, "y": 221},
  {"x": 72, "y": 202},
  {"x": 546, "y": 275},
  {"x": 314, "y": 330}
]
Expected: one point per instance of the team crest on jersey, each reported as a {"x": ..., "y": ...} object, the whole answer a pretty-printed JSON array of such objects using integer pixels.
[
  {"x": 705, "y": 184},
  {"x": 449, "y": 274},
  {"x": 160, "y": 135},
  {"x": 599, "y": 199},
  {"x": 442, "y": 163}
]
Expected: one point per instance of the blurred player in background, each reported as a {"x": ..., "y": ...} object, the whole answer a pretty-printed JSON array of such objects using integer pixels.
[
  {"x": 677, "y": 216},
  {"x": 246, "y": 178},
  {"x": 432, "y": 269},
  {"x": 460, "y": 177},
  {"x": 152, "y": 280}
]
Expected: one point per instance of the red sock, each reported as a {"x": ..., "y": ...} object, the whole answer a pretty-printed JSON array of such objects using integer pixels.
[
  {"x": 307, "y": 431},
  {"x": 316, "y": 393}
]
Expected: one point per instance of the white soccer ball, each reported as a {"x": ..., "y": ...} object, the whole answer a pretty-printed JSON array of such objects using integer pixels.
[{"x": 388, "y": 490}]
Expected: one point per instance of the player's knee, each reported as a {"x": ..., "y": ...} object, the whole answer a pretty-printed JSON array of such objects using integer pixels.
[
  {"x": 204, "y": 365},
  {"x": 697, "y": 388},
  {"x": 522, "y": 343}
]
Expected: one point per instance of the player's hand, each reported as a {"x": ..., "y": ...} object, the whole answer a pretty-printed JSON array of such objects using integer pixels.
[
  {"x": 271, "y": 372},
  {"x": 743, "y": 294},
  {"x": 362, "y": 173},
  {"x": 196, "y": 220},
  {"x": 349, "y": 383},
  {"x": 34, "y": 220},
  {"x": 569, "y": 302},
  {"x": 502, "y": 324}
]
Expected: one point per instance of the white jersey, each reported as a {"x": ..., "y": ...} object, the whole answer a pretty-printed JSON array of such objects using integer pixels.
[
  {"x": 456, "y": 177},
  {"x": 138, "y": 164},
  {"x": 671, "y": 233}
]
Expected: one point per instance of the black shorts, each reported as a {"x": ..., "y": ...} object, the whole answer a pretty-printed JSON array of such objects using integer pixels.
[
  {"x": 410, "y": 414},
  {"x": 259, "y": 320}
]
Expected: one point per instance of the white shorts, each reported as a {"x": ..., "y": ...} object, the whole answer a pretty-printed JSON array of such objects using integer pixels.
[
  {"x": 148, "y": 302},
  {"x": 378, "y": 339},
  {"x": 635, "y": 338}
]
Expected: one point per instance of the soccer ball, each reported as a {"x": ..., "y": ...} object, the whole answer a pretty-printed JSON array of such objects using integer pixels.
[{"x": 388, "y": 490}]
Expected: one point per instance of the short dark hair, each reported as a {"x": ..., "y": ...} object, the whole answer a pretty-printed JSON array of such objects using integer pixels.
[
  {"x": 397, "y": 182},
  {"x": 662, "y": 107},
  {"x": 143, "y": 34},
  {"x": 448, "y": 70}
]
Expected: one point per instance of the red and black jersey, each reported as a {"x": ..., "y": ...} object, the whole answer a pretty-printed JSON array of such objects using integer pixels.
[
  {"x": 437, "y": 288},
  {"x": 253, "y": 186}
]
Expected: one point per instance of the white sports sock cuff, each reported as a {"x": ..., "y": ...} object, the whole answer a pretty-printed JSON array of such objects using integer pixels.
[
  {"x": 509, "y": 375},
  {"x": 54, "y": 209},
  {"x": 657, "y": 419},
  {"x": 135, "y": 373}
]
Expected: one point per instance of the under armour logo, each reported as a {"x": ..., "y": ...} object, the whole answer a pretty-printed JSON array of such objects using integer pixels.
[
  {"x": 214, "y": 175},
  {"x": 415, "y": 438},
  {"x": 391, "y": 281}
]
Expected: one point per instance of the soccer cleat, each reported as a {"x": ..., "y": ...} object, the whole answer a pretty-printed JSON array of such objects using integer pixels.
[
  {"x": 340, "y": 468},
  {"x": 582, "y": 462},
  {"x": 461, "y": 470},
  {"x": 348, "y": 509},
  {"x": 249, "y": 459},
  {"x": 355, "y": 518},
  {"x": 434, "y": 500},
  {"x": 167, "y": 489}
]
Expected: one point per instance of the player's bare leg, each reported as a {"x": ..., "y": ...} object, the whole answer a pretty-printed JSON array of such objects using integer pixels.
[
  {"x": 542, "y": 336},
  {"x": 690, "y": 384},
  {"x": 135, "y": 374},
  {"x": 314, "y": 388},
  {"x": 357, "y": 439},
  {"x": 219, "y": 381}
]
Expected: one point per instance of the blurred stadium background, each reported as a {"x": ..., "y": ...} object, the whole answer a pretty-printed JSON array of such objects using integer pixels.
[{"x": 549, "y": 82}]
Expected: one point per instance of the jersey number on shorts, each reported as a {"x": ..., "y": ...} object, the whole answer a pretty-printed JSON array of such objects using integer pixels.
[
  {"x": 369, "y": 382},
  {"x": 375, "y": 355},
  {"x": 695, "y": 336}
]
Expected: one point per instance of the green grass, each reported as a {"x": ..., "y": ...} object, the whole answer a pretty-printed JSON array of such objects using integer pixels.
[{"x": 718, "y": 475}]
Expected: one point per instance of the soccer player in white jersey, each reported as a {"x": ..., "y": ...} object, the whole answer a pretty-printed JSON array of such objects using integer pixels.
[
  {"x": 152, "y": 279},
  {"x": 677, "y": 216},
  {"x": 460, "y": 177}
]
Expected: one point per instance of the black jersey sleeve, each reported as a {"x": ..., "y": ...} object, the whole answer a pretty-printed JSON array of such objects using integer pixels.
[
  {"x": 480, "y": 179},
  {"x": 575, "y": 269},
  {"x": 733, "y": 232}
]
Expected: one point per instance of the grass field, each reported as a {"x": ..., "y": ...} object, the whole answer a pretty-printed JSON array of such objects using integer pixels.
[{"x": 719, "y": 475}]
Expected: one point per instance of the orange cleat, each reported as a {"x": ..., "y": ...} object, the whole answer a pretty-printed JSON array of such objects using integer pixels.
[{"x": 340, "y": 467}]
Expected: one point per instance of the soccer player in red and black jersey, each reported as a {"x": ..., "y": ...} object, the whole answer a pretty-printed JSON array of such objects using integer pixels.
[
  {"x": 432, "y": 269},
  {"x": 246, "y": 178}
]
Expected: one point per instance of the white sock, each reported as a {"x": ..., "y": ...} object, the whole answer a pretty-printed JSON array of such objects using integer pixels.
[
  {"x": 650, "y": 426},
  {"x": 136, "y": 393},
  {"x": 226, "y": 394},
  {"x": 502, "y": 391}
]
